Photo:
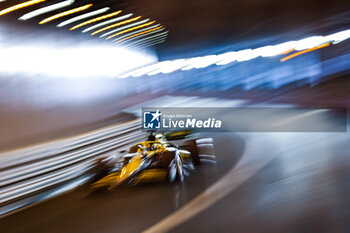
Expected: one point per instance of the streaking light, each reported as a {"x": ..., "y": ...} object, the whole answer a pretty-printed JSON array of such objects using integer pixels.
[
  {"x": 147, "y": 40},
  {"x": 201, "y": 62},
  {"x": 47, "y": 9},
  {"x": 288, "y": 51},
  {"x": 227, "y": 58},
  {"x": 339, "y": 36},
  {"x": 116, "y": 25},
  {"x": 84, "y": 16},
  {"x": 107, "y": 22},
  {"x": 301, "y": 46},
  {"x": 135, "y": 32},
  {"x": 20, "y": 6},
  {"x": 144, "y": 70},
  {"x": 124, "y": 27},
  {"x": 246, "y": 55},
  {"x": 95, "y": 20},
  {"x": 157, "y": 36},
  {"x": 78, "y": 61},
  {"x": 141, "y": 33},
  {"x": 164, "y": 64},
  {"x": 170, "y": 66},
  {"x": 149, "y": 43},
  {"x": 148, "y": 69},
  {"x": 273, "y": 50},
  {"x": 304, "y": 51},
  {"x": 310, "y": 42},
  {"x": 131, "y": 29},
  {"x": 65, "y": 13}
]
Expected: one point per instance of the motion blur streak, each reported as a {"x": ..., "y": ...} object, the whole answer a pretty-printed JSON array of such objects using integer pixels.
[
  {"x": 146, "y": 69},
  {"x": 95, "y": 20},
  {"x": 46, "y": 9},
  {"x": 304, "y": 51},
  {"x": 288, "y": 51},
  {"x": 310, "y": 42},
  {"x": 339, "y": 37},
  {"x": 303, "y": 45},
  {"x": 133, "y": 33},
  {"x": 201, "y": 62},
  {"x": 20, "y": 6},
  {"x": 107, "y": 22},
  {"x": 148, "y": 41},
  {"x": 239, "y": 174},
  {"x": 157, "y": 36},
  {"x": 125, "y": 27},
  {"x": 138, "y": 34},
  {"x": 131, "y": 29},
  {"x": 145, "y": 45},
  {"x": 169, "y": 68},
  {"x": 65, "y": 13},
  {"x": 116, "y": 25},
  {"x": 84, "y": 16},
  {"x": 74, "y": 62}
]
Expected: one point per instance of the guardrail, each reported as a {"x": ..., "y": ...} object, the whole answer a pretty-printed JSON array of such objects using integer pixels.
[{"x": 35, "y": 170}]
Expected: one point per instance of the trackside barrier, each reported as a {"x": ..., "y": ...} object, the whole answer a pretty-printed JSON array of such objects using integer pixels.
[{"x": 34, "y": 171}]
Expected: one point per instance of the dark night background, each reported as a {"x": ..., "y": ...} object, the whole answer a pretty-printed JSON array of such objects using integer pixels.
[{"x": 200, "y": 27}]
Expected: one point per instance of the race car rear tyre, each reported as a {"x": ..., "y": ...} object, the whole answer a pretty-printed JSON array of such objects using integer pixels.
[{"x": 133, "y": 149}]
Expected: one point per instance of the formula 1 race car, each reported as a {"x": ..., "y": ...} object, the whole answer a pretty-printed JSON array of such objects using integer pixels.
[{"x": 154, "y": 160}]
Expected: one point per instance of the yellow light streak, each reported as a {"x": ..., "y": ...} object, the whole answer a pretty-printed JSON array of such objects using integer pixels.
[
  {"x": 130, "y": 29},
  {"x": 115, "y": 25},
  {"x": 95, "y": 20},
  {"x": 20, "y": 6},
  {"x": 65, "y": 13},
  {"x": 304, "y": 51},
  {"x": 288, "y": 51},
  {"x": 138, "y": 34}
]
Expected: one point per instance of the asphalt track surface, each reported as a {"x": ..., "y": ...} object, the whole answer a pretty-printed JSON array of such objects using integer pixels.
[{"x": 263, "y": 182}]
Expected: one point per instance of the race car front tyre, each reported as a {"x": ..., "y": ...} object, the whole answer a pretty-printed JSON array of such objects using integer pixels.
[
  {"x": 191, "y": 146},
  {"x": 176, "y": 171}
]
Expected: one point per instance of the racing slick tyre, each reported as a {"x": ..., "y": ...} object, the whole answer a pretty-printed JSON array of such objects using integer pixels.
[
  {"x": 176, "y": 172},
  {"x": 102, "y": 167},
  {"x": 191, "y": 146},
  {"x": 171, "y": 160},
  {"x": 133, "y": 149},
  {"x": 165, "y": 159},
  {"x": 205, "y": 148}
]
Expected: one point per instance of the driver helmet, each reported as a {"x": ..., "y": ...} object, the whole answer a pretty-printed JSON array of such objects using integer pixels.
[
  {"x": 149, "y": 146},
  {"x": 151, "y": 137},
  {"x": 140, "y": 149}
]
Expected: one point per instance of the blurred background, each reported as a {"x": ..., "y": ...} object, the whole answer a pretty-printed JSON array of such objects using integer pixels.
[{"x": 69, "y": 68}]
